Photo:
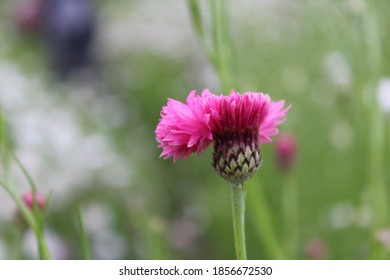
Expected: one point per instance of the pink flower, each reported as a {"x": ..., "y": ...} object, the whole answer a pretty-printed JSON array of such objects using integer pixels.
[
  {"x": 245, "y": 120},
  {"x": 183, "y": 128},
  {"x": 28, "y": 199}
]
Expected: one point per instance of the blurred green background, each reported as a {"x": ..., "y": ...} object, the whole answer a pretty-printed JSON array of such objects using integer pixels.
[{"x": 89, "y": 139}]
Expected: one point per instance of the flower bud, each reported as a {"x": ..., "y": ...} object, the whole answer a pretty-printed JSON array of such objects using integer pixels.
[
  {"x": 29, "y": 199},
  {"x": 315, "y": 249},
  {"x": 383, "y": 236},
  {"x": 285, "y": 150}
]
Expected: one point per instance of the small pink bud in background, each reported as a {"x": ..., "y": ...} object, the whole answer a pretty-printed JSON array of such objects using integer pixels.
[
  {"x": 28, "y": 15},
  {"x": 28, "y": 199},
  {"x": 286, "y": 151},
  {"x": 315, "y": 249},
  {"x": 383, "y": 236}
]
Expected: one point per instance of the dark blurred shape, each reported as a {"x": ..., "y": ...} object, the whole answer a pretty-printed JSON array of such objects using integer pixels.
[
  {"x": 315, "y": 249},
  {"x": 70, "y": 27},
  {"x": 28, "y": 15},
  {"x": 286, "y": 151}
]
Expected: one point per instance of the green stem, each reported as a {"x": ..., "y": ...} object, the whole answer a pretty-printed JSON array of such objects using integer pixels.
[
  {"x": 25, "y": 173},
  {"x": 238, "y": 207},
  {"x": 378, "y": 193},
  {"x": 199, "y": 26},
  {"x": 35, "y": 221},
  {"x": 215, "y": 42},
  {"x": 263, "y": 222},
  {"x": 34, "y": 218},
  {"x": 221, "y": 43},
  {"x": 291, "y": 212},
  {"x": 84, "y": 240},
  {"x": 3, "y": 145},
  {"x": 44, "y": 253},
  {"x": 377, "y": 187}
]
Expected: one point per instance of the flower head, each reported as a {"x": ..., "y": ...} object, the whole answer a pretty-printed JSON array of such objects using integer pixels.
[
  {"x": 237, "y": 124},
  {"x": 183, "y": 128}
]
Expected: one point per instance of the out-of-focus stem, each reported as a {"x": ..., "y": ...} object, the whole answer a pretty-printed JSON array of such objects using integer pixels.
[
  {"x": 84, "y": 240},
  {"x": 34, "y": 218},
  {"x": 215, "y": 42},
  {"x": 44, "y": 253},
  {"x": 377, "y": 190},
  {"x": 378, "y": 193},
  {"x": 291, "y": 212},
  {"x": 3, "y": 145},
  {"x": 264, "y": 226},
  {"x": 222, "y": 46},
  {"x": 199, "y": 26}
]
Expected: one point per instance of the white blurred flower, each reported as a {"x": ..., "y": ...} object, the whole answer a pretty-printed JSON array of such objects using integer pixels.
[
  {"x": 342, "y": 215},
  {"x": 50, "y": 137},
  {"x": 357, "y": 6},
  {"x": 383, "y": 94},
  {"x": 108, "y": 245},
  {"x": 338, "y": 69},
  {"x": 97, "y": 217},
  {"x": 146, "y": 27}
]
